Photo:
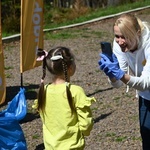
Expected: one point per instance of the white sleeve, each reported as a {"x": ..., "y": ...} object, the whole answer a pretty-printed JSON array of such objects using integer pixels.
[
  {"x": 139, "y": 83},
  {"x": 143, "y": 82},
  {"x": 116, "y": 84}
]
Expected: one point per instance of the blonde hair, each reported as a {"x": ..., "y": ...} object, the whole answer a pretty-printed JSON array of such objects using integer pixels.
[{"x": 131, "y": 28}]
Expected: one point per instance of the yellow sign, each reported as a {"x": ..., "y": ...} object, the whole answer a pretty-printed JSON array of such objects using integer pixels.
[
  {"x": 31, "y": 33},
  {"x": 2, "y": 74}
]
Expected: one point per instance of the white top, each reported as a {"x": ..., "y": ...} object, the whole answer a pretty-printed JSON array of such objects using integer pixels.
[{"x": 138, "y": 62}]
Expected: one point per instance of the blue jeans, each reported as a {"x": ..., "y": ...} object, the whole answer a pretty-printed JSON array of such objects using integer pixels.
[{"x": 144, "y": 117}]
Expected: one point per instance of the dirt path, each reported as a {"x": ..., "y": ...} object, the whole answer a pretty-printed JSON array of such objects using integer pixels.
[{"x": 116, "y": 112}]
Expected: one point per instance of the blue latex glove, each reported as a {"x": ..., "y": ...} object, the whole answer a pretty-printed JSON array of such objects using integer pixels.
[{"x": 111, "y": 69}]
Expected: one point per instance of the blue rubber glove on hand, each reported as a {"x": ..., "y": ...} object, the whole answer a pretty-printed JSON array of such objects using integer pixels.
[{"x": 111, "y": 69}]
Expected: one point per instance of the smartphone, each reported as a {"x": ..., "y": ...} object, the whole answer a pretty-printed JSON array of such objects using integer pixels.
[{"x": 106, "y": 49}]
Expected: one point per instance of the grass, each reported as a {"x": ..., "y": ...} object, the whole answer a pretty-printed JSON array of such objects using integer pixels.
[
  {"x": 4, "y": 34},
  {"x": 110, "y": 134},
  {"x": 8, "y": 67},
  {"x": 100, "y": 12},
  {"x": 59, "y": 35},
  {"x": 92, "y": 14},
  {"x": 8, "y": 75},
  {"x": 121, "y": 138},
  {"x": 36, "y": 136},
  {"x": 68, "y": 34}
]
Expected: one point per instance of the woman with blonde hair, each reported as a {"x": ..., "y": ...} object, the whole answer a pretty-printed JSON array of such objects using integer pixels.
[{"x": 131, "y": 50}]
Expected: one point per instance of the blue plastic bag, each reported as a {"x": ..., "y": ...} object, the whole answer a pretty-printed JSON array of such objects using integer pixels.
[{"x": 11, "y": 134}]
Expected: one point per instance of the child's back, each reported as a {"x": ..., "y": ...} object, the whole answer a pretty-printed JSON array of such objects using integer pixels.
[{"x": 64, "y": 109}]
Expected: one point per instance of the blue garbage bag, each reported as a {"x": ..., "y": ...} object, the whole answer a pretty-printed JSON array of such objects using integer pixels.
[{"x": 11, "y": 133}]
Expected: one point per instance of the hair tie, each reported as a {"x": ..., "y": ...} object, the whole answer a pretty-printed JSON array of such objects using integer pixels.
[
  {"x": 40, "y": 58},
  {"x": 42, "y": 80},
  {"x": 57, "y": 57},
  {"x": 67, "y": 84}
]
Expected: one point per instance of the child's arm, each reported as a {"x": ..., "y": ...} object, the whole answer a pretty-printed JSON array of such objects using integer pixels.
[
  {"x": 84, "y": 113},
  {"x": 85, "y": 119}
]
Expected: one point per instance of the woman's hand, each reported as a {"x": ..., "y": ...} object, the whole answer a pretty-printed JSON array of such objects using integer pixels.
[{"x": 111, "y": 69}]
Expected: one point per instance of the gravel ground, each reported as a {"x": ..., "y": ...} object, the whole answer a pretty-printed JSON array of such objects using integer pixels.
[{"x": 115, "y": 112}]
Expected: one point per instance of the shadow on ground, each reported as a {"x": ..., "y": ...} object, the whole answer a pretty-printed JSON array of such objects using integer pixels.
[
  {"x": 99, "y": 91},
  {"x": 40, "y": 147},
  {"x": 12, "y": 91},
  {"x": 103, "y": 116}
]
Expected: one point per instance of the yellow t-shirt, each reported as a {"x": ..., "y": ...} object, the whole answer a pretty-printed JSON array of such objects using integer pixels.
[{"x": 61, "y": 130}]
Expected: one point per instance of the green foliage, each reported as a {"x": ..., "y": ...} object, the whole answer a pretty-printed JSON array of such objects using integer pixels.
[
  {"x": 73, "y": 16},
  {"x": 55, "y": 16},
  {"x": 11, "y": 16}
]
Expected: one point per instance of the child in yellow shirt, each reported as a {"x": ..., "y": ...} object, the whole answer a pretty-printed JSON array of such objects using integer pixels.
[{"x": 64, "y": 108}]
